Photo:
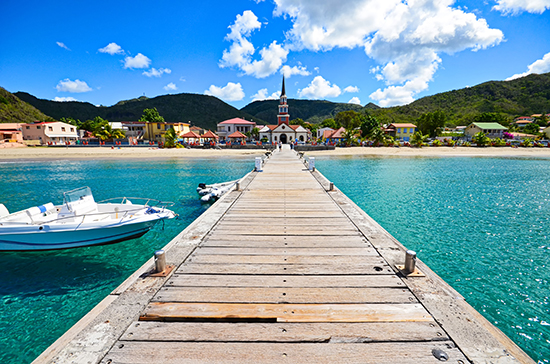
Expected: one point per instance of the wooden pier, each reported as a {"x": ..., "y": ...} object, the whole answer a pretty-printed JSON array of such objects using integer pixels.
[{"x": 284, "y": 271}]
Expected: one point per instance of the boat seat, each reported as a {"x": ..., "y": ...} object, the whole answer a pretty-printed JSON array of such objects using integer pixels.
[{"x": 38, "y": 213}]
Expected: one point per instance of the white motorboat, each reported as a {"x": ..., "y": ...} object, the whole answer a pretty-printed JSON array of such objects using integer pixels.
[
  {"x": 78, "y": 222},
  {"x": 211, "y": 193}
]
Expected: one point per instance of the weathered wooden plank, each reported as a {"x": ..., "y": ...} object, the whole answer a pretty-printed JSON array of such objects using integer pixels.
[
  {"x": 332, "y": 332},
  {"x": 291, "y": 230},
  {"x": 132, "y": 352},
  {"x": 286, "y": 259},
  {"x": 284, "y": 295},
  {"x": 304, "y": 239},
  {"x": 226, "y": 280},
  {"x": 289, "y": 241},
  {"x": 234, "y": 268},
  {"x": 214, "y": 250},
  {"x": 283, "y": 312}
]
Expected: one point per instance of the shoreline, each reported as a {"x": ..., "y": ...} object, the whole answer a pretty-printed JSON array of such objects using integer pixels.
[{"x": 105, "y": 153}]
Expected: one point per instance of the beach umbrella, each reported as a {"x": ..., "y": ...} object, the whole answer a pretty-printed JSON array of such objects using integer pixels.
[
  {"x": 209, "y": 135},
  {"x": 237, "y": 135},
  {"x": 191, "y": 135}
]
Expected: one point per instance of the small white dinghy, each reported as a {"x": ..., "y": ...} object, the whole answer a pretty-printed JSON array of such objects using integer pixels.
[
  {"x": 79, "y": 222},
  {"x": 211, "y": 193}
]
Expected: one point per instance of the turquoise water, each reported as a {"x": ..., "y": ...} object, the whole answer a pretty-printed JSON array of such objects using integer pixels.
[
  {"x": 44, "y": 294},
  {"x": 482, "y": 224}
]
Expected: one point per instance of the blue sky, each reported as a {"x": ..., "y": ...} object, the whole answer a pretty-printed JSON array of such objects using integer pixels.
[{"x": 389, "y": 52}]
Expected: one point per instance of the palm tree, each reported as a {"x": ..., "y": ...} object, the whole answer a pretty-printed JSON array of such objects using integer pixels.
[
  {"x": 418, "y": 139},
  {"x": 481, "y": 139},
  {"x": 378, "y": 136},
  {"x": 170, "y": 138}
]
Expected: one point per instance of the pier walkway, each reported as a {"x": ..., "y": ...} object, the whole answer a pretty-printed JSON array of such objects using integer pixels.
[{"x": 285, "y": 271}]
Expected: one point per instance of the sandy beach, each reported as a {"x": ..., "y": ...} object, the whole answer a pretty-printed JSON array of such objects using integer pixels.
[{"x": 45, "y": 153}]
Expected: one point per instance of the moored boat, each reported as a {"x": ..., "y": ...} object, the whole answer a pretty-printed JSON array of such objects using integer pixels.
[
  {"x": 211, "y": 193},
  {"x": 78, "y": 222}
]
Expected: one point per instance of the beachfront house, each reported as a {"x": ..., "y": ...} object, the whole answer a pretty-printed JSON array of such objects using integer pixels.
[
  {"x": 155, "y": 131},
  {"x": 322, "y": 133},
  {"x": 492, "y": 130},
  {"x": 50, "y": 133},
  {"x": 228, "y": 127},
  {"x": 401, "y": 131},
  {"x": 11, "y": 133}
]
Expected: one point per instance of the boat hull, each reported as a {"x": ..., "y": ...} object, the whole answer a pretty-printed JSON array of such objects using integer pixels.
[{"x": 50, "y": 237}]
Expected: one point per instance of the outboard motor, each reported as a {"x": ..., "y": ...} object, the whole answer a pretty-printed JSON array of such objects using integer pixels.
[{"x": 202, "y": 186}]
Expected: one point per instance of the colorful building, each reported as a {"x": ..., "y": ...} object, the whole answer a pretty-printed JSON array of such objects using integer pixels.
[
  {"x": 51, "y": 133},
  {"x": 401, "y": 132},
  {"x": 155, "y": 131},
  {"x": 11, "y": 132}
]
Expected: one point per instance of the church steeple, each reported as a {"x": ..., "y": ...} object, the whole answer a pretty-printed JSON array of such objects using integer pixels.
[{"x": 283, "y": 117}]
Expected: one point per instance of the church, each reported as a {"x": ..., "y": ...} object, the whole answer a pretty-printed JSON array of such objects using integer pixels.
[{"x": 284, "y": 132}]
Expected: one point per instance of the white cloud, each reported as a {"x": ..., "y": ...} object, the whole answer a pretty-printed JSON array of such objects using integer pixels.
[
  {"x": 288, "y": 71},
  {"x": 156, "y": 72},
  {"x": 139, "y": 61},
  {"x": 538, "y": 67},
  {"x": 262, "y": 95},
  {"x": 62, "y": 45},
  {"x": 404, "y": 37},
  {"x": 517, "y": 6},
  {"x": 241, "y": 50},
  {"x": 171, "y": 87},
  {"x": 320, "y": 88},
  {"x": 75, "y": 86},
  {"x": 272, "y": 59},
  {"x": 112, "y": 48},
  {"x": 64, "y": 99},
  {"x": 351, "y": 89},
  {"x": 230, "y": 92},
  {"x": 354, "y": 100}
]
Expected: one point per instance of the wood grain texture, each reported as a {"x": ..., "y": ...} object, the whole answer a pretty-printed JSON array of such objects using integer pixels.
[{"x": 173, "y": 311}]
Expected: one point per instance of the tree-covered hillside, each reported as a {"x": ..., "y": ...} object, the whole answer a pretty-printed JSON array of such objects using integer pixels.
[
  {"x": 524, "y": 96},
  {"x": 202, "y": 110},
  {"x": 13, "y": 110}
]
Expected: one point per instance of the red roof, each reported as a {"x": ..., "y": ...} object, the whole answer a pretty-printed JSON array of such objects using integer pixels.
[
  {"x": 237, "y": 134},
  {"x": 338, "y": 133},
  {"x": 209, "y": 134},
  {"x": 191, "y": 134},
  {"x": 238, "y": 121}
]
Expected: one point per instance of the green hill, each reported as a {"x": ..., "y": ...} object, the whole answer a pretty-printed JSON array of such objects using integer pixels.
[
  {"x": 202, "y": 110},
  {"x": 13, "y": 110},
  {"x": 312, "y": 111},
  {"x": 524, "y": 96}
]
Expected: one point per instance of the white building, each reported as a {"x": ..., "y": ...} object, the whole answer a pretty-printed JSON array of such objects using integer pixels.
[{"x": 230, "y": 126}]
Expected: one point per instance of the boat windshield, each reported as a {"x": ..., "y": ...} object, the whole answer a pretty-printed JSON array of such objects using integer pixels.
[{"x": 76, "y": 195}]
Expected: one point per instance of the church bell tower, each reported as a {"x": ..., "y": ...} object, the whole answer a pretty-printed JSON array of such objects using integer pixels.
[{"x": 283, "y": 117}]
